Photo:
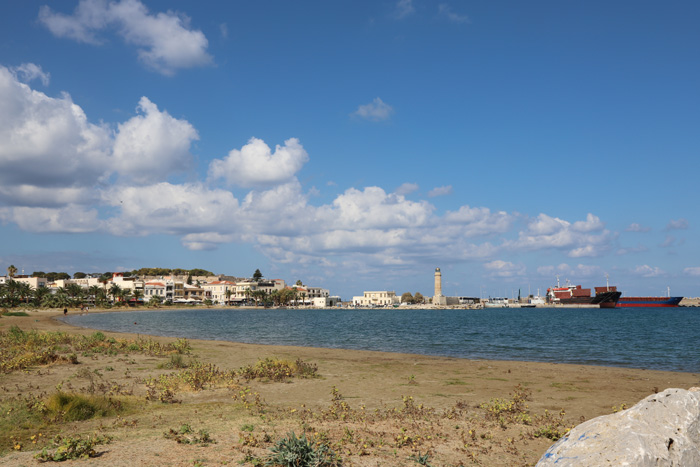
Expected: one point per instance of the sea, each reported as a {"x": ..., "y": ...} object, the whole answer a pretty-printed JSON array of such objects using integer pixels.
[{"x": 646, "y": 338}]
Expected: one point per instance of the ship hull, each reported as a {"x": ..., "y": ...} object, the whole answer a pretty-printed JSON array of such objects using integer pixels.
[
  {"x": 603, "y": 300},
  {"x": 667, "y": 302}
]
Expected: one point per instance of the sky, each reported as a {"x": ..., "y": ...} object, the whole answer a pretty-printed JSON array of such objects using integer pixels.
[{"x": 356, "y": 145}]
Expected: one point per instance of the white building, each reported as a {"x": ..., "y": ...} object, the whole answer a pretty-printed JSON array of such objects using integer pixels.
[
  {"x": 378, "y": 298},
  {"x": 216, "y": 291}
]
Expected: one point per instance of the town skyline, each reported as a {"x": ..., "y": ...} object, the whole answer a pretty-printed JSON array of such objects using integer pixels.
[{"x": 355, "y": 143}]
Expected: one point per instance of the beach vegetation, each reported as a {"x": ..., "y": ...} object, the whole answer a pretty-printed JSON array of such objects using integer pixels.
[
  {"x": 73, "y": 447},
  {"x": 296, "y": 452},
  {"x": 186, "y": 435}
]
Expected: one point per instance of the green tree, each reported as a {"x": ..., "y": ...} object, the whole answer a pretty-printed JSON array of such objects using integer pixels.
[
  {"x": 79, "y": 275},
  {"x": 228, "y": 294},
  {"x": 257, "y": 275},
  {"x": 299, "y": 283},
  {"x": 407, "y": 297},
  {"x": 418, "y": 298},
  {"x": 12, "y": 270},
  {"x": 137, "y": 295},
  {"x": 115, "y": 291},
  {"x": 40, "y": 296}
]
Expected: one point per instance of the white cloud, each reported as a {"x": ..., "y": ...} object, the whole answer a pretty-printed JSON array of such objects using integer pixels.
[
  {"x": 629, "y": 250},
  {"x": 440, "y": 191},
  {"x": 446, "y": 11},
  {"x": 505, "y": 269},
  {"x": 256, "y": 165},
  {"x": 404, "y": 8},
  {"x": 648, "y": 271},
  {"x": 575, "y": 273},
  {"x": 406, "y": 189},
  {"x": 694, "y": 271},
  {"x": 669, "y": 241},
  {"x": 70, "y": 219},
  {"x": 166, "y": 208},
  {"x": 28, "y": 72},
  {"x": 680, "y": 224},
  {"x": 477, "y": 221},
  {"x": 591, "y": 224},
  {"x": 634, "y": 227},
  {"x": 165, "y": 41},
  {"x": 46, "y": 143},
  {"x": 547, "y": 232},
  {"x": 151, "y": 146},
  {"x": 375, "y": 111}
]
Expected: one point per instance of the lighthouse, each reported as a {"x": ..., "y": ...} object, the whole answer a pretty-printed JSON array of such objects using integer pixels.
[
  {"x": 438, "y": 282},
  {"x": 438, "y": 298}
]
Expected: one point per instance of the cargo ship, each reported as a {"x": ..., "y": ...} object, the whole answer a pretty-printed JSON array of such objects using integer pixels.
[
  {"x": 574, "y": 295},
  {"x": 649, "y": 302}
]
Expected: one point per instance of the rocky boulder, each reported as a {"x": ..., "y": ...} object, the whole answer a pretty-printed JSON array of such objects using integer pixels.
[{"x": 661, "y": 430}]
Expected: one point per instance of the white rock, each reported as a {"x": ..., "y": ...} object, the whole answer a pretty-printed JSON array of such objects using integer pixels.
[{"x": 661, "y": 430}]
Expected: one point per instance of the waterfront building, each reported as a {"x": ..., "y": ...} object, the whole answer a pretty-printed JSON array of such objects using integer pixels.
[
  {"x": 376, "y": 298},
  {"x": 216, "y": 290}
]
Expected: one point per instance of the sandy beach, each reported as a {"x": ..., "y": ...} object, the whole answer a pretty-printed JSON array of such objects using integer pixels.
[{"x": 447, "y": 397}]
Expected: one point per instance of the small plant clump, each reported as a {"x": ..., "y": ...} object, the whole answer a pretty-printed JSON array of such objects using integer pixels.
[
  {"x": 278, "y": 370},
  {"x": 186, "y": 435},
  {"x": 72, "y": 447},
  {"x": 297, "y": 452}
]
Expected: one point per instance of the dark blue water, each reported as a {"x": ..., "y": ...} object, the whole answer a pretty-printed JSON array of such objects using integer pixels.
[{"x": 651, "y": 338}]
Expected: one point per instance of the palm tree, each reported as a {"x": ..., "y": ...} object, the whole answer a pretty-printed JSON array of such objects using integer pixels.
[
  {"x": 228, "y": 294},
  {"x": 40, "y": 295},
  {"x": 93, "y": 292},
  {"x": 137, "y": 295},
  {"x": 125, "y": 295},
  {"x": 11, "y": 271},
  {"x": 24, "y": 291},
  {"x": 60, "y": 298},
  {"x": 75, "y": 292},
  {"x": 115, "y": 291}
]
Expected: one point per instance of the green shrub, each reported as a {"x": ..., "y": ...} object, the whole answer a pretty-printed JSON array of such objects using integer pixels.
[
  {"x": 299, "y": 452},
  {"x": 72, "y": 448},
  {"x": 75, "y": 407}
]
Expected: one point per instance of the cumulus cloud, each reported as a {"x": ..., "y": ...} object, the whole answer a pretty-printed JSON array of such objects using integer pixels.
[
  {"x": 504, "y": 269},
  {"x": 165, "y": 41},
  {"x": 151, "y": 146},
  {"x": 375, "y": 111},
  {"x": 648, "y": 271},
  {"x": 45, "y": 143},
  {"x": 473, "y": 222},
  {"x": 445, "y": 10},
  {"x": 583, "y": 238},
  {"x": 694, "y": 271},
  {"x": 256, "y": 165},
  {"x": 634, "y": 227},
  {"x": 70, "y": 219},
  {"x": 440, "y": 191},
  {"x": 166, "y": 208},
  {"x": 406, "y": 189},
  {"x": 573, "y": 272},
  {"x": 680, "y": 224},
  {"x": 28, "y": 72}
]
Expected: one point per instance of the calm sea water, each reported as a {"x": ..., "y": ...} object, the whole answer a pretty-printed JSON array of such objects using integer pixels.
[{"x": 651, "y": 338}]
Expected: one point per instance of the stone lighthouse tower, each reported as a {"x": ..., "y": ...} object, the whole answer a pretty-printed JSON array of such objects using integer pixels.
[
  {"x": 438, "y": 298},
  {"x": 438, "y": 282}
]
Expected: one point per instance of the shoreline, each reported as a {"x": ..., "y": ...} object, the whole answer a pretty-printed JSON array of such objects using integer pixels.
[
  {"x": 369, "y": 379},
  {"x": 411, "y": 343}
]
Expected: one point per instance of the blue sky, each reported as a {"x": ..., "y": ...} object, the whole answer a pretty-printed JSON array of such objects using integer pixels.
[{"x": 355, "y": 145}]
